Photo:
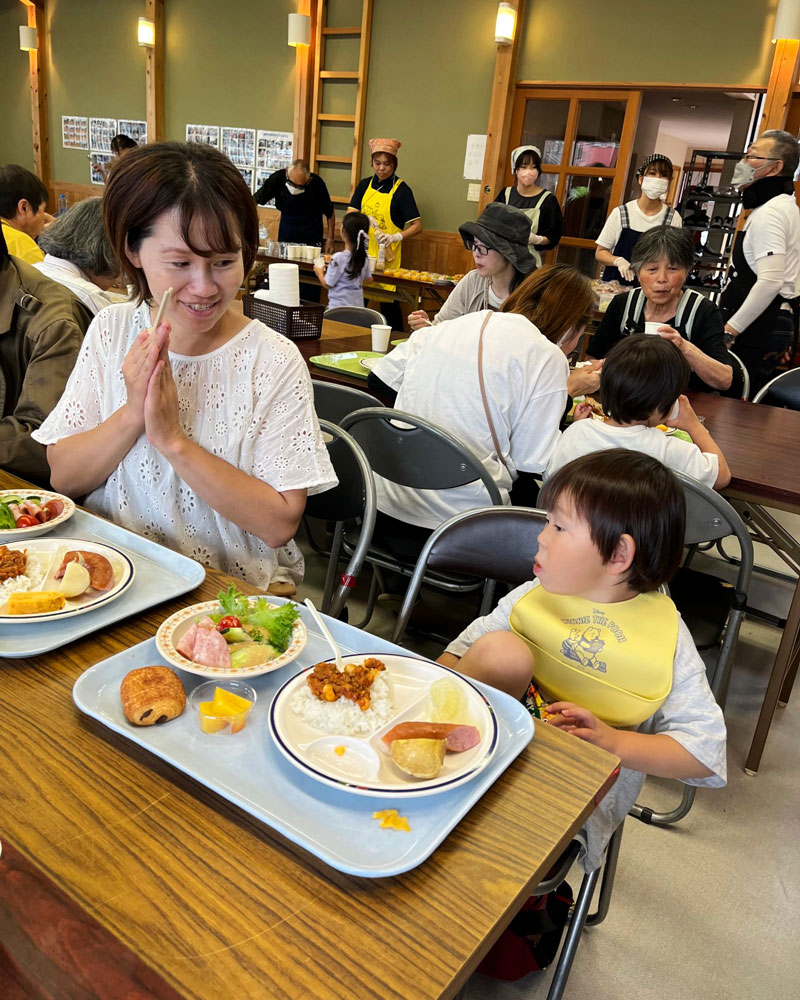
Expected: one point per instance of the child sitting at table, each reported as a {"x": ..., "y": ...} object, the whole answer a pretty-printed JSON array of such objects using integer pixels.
[
  {"x": 594, "y": 641},
  {"x": 349, "y": 268},
  {"x": 642, "y": 385}
]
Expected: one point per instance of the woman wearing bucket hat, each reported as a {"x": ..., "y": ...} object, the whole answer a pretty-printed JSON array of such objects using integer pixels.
[
  {"x": 540, "y": 205},
  {"x": 627, "y": 222},
  {"x": 499, "y": 245}
]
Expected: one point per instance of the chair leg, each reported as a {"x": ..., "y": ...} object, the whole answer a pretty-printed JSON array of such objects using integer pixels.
[
  {"x": 572, "y": 939},
  {"x": 647, "y": 815},
  {"x": 609, "y": 874},
  {"x": 373, "y": 596}
]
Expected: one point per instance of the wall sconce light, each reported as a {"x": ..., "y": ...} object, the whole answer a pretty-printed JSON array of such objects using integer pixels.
[
  {"x": 505, "y": 24},
  {"x": 787, "y": 20},
  {"x": 299, "y": 29},
  {"x": 27, "y": 39},
  {"x": 147, "y": 32}
]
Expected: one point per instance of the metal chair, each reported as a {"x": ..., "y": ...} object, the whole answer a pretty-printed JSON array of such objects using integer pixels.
[
  {"x": 783, "y": 390},
  {"x": 355, "y": 315},
  {"x": 353, "y": 499},
  {"x": 745, "y": 375},
  {"x": 497, "y": 543},
  {"x": 412, "y": 452},
  {"x": 333, "y": 402},
  {"x": 711, "y": 612}
]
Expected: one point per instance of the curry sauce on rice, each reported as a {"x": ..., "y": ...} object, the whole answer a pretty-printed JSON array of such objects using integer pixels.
[{"x": 355, "y": 701}]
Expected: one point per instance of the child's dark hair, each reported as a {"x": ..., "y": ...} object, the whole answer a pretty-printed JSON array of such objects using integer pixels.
[
  {"x": 641, "y": 375},
  {"x": 622, "y": 492},
  {"x": 354, "y": 223}
]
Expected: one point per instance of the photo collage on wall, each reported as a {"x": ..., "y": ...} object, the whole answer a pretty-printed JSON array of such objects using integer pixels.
[
  {"x": 95, "y": 135},
  {"x": 256, "y": 153}
]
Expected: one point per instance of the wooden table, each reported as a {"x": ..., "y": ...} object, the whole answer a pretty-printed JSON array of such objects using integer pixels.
[
  {"x": 760, "y": 444},
  {"x": 120, "y": 877}
]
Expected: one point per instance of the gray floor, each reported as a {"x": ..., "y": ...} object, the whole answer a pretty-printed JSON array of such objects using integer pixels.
[{"x": 708, "y": 908}]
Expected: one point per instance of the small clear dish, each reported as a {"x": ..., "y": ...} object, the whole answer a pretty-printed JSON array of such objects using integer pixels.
[{"x": 218, "y": 715}]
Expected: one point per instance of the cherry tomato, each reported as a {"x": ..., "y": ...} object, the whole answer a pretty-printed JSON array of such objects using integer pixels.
[
  {"x": 229, "y": 621},
  {"x": 26, "y": 521}
]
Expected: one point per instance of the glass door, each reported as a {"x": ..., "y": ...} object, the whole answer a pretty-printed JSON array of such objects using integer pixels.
[{"x": 586, "y": 142}]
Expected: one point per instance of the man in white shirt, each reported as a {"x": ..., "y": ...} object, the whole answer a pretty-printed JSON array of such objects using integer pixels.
[
  {"x": 627, "y": 222},
  {"x": 761, "y": 290}
]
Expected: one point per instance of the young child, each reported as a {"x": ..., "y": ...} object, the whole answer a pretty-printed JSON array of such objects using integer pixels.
[
  {"x": 349, "y": 268},
  {"x": 593, "y": 640},
  {"x": 641, "y": 385}
]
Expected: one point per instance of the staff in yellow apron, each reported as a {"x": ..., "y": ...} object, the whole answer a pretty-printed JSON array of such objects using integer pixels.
[{"x": 389, "y": 203}]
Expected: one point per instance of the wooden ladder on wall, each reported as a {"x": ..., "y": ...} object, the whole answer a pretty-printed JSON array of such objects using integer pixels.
[{"x": 358, "y": 76}]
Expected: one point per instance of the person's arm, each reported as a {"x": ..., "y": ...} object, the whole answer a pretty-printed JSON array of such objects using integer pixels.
[
  {"x": 465, "y": 297},
  {"x": 717, "y": 374},
  {"x": 331, "y": 234},
  {"x": 687, "y": 420},
  {"x": 381, "y": 389},
  {"x": 497, "y": 620},
  {"x": 607, "y": 240},
  {"x": 358, "y": 195},
  {"x": 769, "y": 281},
  {"x": 270, "y": 187},
  {"x": 551, "y": 223}
]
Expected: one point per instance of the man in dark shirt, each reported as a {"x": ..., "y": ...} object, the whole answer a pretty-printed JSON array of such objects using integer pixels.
[{"x": 302, "y": 198}]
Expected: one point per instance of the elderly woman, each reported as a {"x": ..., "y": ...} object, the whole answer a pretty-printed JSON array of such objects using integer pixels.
[
  {"x": 499, "y": 245},
  {"x": 661, "y": 260},
  {"x": 79, "y": 256}
]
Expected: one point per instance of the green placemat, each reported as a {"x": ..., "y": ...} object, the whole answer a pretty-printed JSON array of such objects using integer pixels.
[
  {"x": 348, "y": 361},
  {"x": 395, "y": 343}
]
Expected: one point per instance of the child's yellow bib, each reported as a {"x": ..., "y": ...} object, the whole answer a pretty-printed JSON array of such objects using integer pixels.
[{"x": 614, "y": 659}]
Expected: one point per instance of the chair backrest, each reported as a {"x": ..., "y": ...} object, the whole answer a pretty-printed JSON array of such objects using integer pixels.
[
  {"x": 497, "y": 543},
  {"x": 783, "y": 390},
  {"x": 413, "y": 452},
  {"x": 333, "y": 402},
  {"x": 745, "y": 375},
  {"x": 355, "y": 315},
  {"x": 710, "y": 517}
]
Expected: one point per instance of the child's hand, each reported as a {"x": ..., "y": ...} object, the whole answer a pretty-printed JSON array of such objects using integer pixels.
[
  {"x": 581, "y": 723},
  {"x": 687, "y": 419},
  {"x": 582, "y": 411}
]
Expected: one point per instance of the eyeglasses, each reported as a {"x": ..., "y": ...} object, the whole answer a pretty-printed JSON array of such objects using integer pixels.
[
  {"x": 755, "y": 156},
  {"x": 477, "y": 248}
]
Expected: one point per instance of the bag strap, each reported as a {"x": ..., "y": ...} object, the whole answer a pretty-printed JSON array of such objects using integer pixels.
[{"x": 485, "y": 401}]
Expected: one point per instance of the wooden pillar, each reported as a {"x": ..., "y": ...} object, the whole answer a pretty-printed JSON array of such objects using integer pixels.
[
  {"x": 154, "y": 79},
  {"x": 37, "y": 62},
  {"x": 782, "y": 80},
  {"x": 304, "y": 86},
  {"x": 499, "y": 127}
]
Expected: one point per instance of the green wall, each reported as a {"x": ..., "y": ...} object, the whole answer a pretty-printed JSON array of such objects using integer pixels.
[
  {"x": 16, "y": 136},
  {"x": 96, "y": 70},
  {"x": 663, "y": 41}
]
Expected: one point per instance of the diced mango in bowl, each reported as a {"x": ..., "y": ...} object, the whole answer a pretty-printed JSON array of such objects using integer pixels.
[{"x": 225, "y": 710}]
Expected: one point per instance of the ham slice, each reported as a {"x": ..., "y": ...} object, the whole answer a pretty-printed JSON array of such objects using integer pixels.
[
  {"x": 458, "y": 737},
  {"x": 186, "y": 646},
  {"x": 210, "y": 649}
]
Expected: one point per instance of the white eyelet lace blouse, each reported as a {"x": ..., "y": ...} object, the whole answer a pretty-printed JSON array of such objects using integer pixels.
[{"x": 248, "y": 402}]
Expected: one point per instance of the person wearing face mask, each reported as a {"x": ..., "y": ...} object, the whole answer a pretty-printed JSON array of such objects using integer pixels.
[
  {"x": 627, "y": 222},
  {"x": 766, "y": 255},
  {"x": 540, "y": 205},
  {"x": 303, "y": 200}
]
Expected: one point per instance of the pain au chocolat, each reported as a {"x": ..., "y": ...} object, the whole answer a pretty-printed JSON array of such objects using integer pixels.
[{"x": 152, "y": 695}]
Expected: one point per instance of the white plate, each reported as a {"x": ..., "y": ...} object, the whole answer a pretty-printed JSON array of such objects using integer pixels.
[
  {"x": 172, "y": 630},
  {"x": 12, "y": 534},
  {"x": 369, "y": 363},
  {"x": 52, "y": 550},
  {"x": 365, "y": 767}
]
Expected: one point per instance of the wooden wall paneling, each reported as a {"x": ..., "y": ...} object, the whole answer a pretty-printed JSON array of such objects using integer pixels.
[
  {"x": 37, "y": 62},
  {"x": 782, "y": 81},
  {"x": 154, "y": 79},
  {"x": 498, "y": 129}
]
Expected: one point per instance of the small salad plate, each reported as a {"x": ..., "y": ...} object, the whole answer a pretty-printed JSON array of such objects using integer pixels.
[
  {"x": 253, "y": 640},
  {"x": 44, "y": 504},
  {"x": 369, "y": 363}
]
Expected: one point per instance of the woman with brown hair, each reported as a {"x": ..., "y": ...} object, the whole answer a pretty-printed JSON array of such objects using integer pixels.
[
  {"x": 521, "y": 354},
  {"x": 200, "y": 432}
]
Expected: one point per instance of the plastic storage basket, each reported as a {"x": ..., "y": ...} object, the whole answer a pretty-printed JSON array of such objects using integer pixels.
[{"x": 303, "y": 322}]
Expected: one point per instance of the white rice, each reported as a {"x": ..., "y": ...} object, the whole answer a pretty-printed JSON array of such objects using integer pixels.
[
  {"x": 35, "y": 571},
  {"x": 343, "y": 717}
]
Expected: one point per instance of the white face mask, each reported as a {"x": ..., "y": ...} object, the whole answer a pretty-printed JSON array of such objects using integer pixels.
[
  {"x": 655, "y": 187},
  {"x": 293, "y": 188},
  {"x": 744, "y": 173}
]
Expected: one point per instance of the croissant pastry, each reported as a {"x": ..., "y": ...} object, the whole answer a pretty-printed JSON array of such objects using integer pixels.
[{"x": 152, "y": 695}]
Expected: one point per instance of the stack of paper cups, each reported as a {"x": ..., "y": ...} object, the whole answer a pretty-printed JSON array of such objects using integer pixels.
[{"x": 284, "y": 284}]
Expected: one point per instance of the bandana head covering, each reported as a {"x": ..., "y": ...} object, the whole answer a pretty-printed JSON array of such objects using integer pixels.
[
  {"x": 389, "y": 146},
  {"x": 517, "y": 153}
]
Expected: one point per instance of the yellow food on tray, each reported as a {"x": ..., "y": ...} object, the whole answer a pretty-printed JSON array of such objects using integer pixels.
[
  {"x": 392, "y": 820},
  {"x": 35, "y": 602}
]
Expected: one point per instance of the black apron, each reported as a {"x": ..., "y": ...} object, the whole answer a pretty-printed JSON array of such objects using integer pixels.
[
  {"x": 757, "y": 346},
  {"x": 628, "y": 239}
]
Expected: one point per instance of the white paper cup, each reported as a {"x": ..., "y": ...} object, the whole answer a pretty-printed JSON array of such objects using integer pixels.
[
  {"x": 372, "y": 264},
  {"x": 319, "y": 261},
  {"x": 651, "y": 329},
  {"x": 380, "y": 337}
]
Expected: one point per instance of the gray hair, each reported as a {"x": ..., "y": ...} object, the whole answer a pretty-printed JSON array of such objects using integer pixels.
[
  {"x": 302, "y": 166},
  {"x": 79, "y": 237},
  {"x": 784, "y": 146},
  {"x": 676, "y": 245}
]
